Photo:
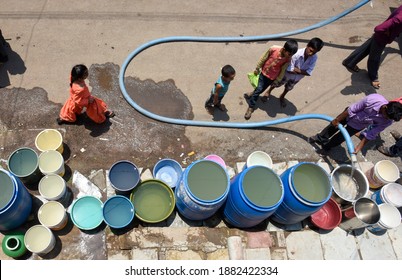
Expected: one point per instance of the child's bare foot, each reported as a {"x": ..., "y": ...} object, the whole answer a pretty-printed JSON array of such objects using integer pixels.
[
  {"x": 109, "y": 114},
  {"x": 60, "y": 121}
]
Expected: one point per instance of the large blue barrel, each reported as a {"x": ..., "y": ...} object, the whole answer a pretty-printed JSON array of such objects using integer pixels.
[
  {"x": 15, "y": 201},
  {"x": 254, "y": 195},
  {"x": 203, "y": 189},
  {"x": 307, "y": 188}
]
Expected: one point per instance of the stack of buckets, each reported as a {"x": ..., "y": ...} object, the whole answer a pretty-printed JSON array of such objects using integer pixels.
[
  {"x": 387, "y": 195},
  {"x": 26, "y": 168},
  {"x": 388, "y": 199},
  {"x": 380, "y": 212}
]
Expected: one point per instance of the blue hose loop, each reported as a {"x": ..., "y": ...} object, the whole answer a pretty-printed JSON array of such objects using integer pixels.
[{"x": 164, "y": 40}]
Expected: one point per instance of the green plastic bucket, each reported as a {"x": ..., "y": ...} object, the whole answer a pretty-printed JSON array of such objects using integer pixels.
[{"x": 153, "y": 200}]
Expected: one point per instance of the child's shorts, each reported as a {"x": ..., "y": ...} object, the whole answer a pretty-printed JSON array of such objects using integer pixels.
[{"x": 289, "y": 83}]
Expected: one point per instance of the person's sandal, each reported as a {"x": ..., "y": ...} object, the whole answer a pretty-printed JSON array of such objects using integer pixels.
[
  {"x": 376, "y": 84},
  {"x": 221, "y": 107},
  {"x": 248, "y": 113},
  {"x": 385, "y": 151},
  {"x": 354, "y": 69}
]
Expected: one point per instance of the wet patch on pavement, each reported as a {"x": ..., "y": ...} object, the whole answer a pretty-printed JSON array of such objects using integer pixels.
[{"x": 128, "y": 136}]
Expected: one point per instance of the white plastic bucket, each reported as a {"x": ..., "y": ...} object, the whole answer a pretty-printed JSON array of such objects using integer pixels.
[
  {"x": 39, "y": 239},
  {"x": 383, "y": 172},
  {"x": 389, "y": 218},
  {"x": 49, "y": 139},
  {"x": 259, "y": 158},
  {"x": 51, "y": 162},
  {"x": 52, "y": 187},
  {"x": 53, "y": 215},
  {"x": 390, "y": 193}
]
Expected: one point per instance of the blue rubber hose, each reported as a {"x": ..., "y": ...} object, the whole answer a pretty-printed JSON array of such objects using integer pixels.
[{"x": 149, "y": 44}]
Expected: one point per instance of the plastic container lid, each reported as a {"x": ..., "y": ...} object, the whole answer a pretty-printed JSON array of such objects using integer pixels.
[{"x": 87, "y": 213}]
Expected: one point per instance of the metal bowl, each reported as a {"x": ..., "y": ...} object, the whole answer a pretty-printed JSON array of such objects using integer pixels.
[{"x": 348, "y": 184}]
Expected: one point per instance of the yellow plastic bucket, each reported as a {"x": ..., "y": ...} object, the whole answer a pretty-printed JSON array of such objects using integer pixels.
[
  {"x": 51, "y": 162},
  {"x": 52, "y": 187},
  {"x": 39, "y": 239},
  {"x": 53, "y": 215},
  {"x": 49, "y": 139},
  {"x": 383, "y": 172}
]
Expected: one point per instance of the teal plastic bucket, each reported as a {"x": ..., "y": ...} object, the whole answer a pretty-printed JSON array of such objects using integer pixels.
[
  {"x": 254, "y": 195},
  {"x": 307, "y": 188},
  {"x": 15, "y": 201},
  {"x": 118, "y": 211},
  {"x": 86, "y": 212},
  {"x": 203, "y": 189},
  {"x": 24, "y": 164}
]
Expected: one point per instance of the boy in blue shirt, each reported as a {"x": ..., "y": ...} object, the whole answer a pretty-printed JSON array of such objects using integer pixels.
[
  {"x": 301, "y": 65},
  {"x": 220, "y": 88}
]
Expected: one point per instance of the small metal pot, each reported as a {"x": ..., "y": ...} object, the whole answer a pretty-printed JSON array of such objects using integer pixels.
[
  {"x": 365, "y": 212},
  {"x": 347, "y": 195}
]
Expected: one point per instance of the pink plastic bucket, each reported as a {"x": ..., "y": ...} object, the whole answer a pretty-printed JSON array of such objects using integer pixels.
[{"x": 217, "y": 159}]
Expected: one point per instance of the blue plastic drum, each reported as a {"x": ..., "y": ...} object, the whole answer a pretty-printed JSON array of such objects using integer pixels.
[
  {"x": 254, "y": 195},
  {"x": 203, "y": 189},
  {"x": 15, "y": 201},
  {"x": 307, "y": 188}
]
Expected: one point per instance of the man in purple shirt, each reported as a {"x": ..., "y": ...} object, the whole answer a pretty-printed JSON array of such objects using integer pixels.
[
  {"x": 371, "y": 115},
  {"x": 384, "y": 34}
]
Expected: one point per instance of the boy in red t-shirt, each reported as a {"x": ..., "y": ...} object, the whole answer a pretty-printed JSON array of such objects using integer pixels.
[{"x": 271, "y": 67}]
